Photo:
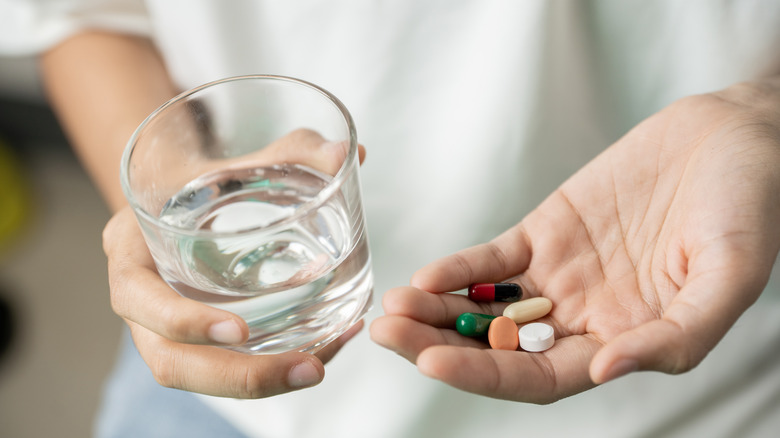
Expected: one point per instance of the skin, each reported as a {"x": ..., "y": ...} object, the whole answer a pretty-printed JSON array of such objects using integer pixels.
[
  {"x": 101, "y": 86},
  {"x": 649, "y": 254}
]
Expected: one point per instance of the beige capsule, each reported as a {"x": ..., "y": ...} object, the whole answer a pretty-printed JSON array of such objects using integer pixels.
[{"x": 528, "y": 310}]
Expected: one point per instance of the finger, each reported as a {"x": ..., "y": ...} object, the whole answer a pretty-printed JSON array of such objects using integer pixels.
[
  {"x": 699, "y": 316},
  {"x": 409, "y": 338},
  {"x": 139, "y": 294},
  {"x": 329, "y": 351},
  {"x": 361, "y": 153},
  {"x": 504, "y": 257},
  {"x": 417, "y": 320},
  {"x": 438, "y": 310},
  {"x": 419, "y": 326},
  {"x": 514, "y": 375},
  {"x": 327, "y": 156},
  {"x": 634, "y": 350},
  {"x": 220, "y": 372},
  {"x": 306, "y": 147}
]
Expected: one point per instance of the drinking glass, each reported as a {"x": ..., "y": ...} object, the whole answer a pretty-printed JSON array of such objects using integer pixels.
[{"x": 247, "y": 192}]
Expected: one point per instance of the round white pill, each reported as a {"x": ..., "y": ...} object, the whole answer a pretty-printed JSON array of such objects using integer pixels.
[{"x": 536, "y": 336}]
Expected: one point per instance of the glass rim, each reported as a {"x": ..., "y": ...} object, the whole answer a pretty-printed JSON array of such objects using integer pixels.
[{"x": 332, "y": 186}]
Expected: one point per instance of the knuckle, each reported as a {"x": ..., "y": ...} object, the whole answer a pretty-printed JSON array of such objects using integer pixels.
[
  {"x": 547, "y": 370},
  {"x": 122, "y": 284},
  {"x": 305, "y": 134},
  {"x": 162, "y": 360},
  {"x": 498, "y": 258},
  {"x": 687, "y": 349},
  {"x": 107, "y": 235},
  {"x": 253, "y": 385},
  {"x": 117, "y": 296},
  {"x": 164, "y": 370},
  {"x": 748, "y": 97},
  {"x": 746, "y": 92},
  {"x": 681, "y": 364},
  {"x": 112, "y": 231},
  {"x": 688, "y": 359},
  {"x": 163, "y": 377},
  {"x": 117, "y": 303},
  {"x": 176, "y": 325},
  {"x": 462, "y": 265},
  {"x": 699, "y": 102}
]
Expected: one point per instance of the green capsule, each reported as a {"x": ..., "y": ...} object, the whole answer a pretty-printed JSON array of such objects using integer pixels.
[{"x": 473, "y": 324}]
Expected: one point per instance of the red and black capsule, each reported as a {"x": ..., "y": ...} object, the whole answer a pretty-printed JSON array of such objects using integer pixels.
[{"x": 503, "y": 292}]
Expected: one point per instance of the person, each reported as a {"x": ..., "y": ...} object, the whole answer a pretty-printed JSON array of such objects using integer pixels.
[{"x": 563, "y": 127}]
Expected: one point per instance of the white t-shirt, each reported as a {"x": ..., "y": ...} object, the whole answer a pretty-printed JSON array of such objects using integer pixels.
[{"x": 472, "y": 113}]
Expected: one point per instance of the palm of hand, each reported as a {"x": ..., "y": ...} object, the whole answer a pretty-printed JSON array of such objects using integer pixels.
[{"x": 649, "y": 255}]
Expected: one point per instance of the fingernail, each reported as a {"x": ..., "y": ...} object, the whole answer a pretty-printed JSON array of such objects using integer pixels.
[
  {"x": 226, "y": 332},
  {"x": 303, "y": 375},
  {"x": 621, "y": 368}
]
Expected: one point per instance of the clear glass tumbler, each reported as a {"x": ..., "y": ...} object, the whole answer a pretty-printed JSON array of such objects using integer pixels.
[{"x": 248, "y": 195}]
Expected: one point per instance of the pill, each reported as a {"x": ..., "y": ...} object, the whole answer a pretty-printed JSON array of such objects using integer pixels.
[
  {"x": 536, "y": 336},
  {"x": 502, "y": 334},
  {"x": 505, "y": 292},
  {"x": 528, "y": 310},
  {"x": 473, "y": 324}
]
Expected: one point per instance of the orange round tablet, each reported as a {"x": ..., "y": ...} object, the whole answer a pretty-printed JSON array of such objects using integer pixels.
[{"x": 502, "y": 334}]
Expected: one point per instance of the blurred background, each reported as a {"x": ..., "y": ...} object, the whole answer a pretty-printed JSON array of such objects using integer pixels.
[{"x": 58, "y": 336}]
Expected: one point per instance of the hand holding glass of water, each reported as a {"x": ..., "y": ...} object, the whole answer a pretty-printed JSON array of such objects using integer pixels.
[{"x": 248, "y": 195}]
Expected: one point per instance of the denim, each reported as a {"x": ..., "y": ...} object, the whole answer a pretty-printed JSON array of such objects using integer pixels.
[{"x": 135, "y": 405}]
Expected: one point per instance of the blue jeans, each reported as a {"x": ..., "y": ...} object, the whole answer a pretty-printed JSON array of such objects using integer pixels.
[{"x": 134, "y": 405}]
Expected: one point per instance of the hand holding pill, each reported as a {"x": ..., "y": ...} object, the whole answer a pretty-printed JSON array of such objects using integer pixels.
[
  {"x": 649, "y": 254},
  {"x": 502, "y": 331}
]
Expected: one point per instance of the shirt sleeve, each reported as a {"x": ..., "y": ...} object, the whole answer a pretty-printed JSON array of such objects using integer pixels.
[{"x": 28, "y": 27}]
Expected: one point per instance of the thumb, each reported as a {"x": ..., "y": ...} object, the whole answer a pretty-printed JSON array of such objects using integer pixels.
[
  {"x": 694, "y": 322},
  {"x": 659, "y": 345},
  {"x": 504, "y": 257}
]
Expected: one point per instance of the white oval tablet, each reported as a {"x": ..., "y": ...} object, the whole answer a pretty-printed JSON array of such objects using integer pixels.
[{"x": 536, "y": 337}]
